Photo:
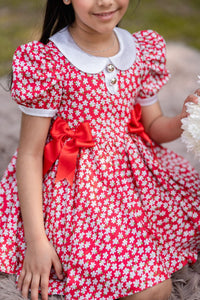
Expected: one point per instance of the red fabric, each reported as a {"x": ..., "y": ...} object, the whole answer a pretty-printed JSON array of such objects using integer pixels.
[
  {"x": 135, "y": 126},
  {"x": 66, "y": 150},
  {"x": 129, "y": 221}
]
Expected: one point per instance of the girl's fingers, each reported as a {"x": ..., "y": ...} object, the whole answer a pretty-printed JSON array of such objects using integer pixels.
[
  {"x": 36, "y": 271},
  {"x": 35, "y": 287},
  {"x": 21, "y": 279},
  {"x": 26, "y": 281},
  {"x": 58, "y": 267},
  {"x": 44, "y": 283},
  {"x": 26, "y": 285},
  {"x": 191, "y": 98},
  {"x": 197, "y": 92}
]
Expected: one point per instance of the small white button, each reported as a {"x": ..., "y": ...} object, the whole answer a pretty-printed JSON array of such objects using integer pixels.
[
  {"x": 113, "y": 81},
  {"x": 110, "y": 68}
]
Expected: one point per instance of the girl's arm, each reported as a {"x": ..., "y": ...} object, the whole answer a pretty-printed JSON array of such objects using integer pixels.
[
  {"x": 40, "y": 255},
  {"x": 160, "y": 128},
  {"x": 29, "y": 174}
]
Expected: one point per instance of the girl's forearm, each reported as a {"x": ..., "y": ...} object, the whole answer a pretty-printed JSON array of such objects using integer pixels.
[
  {"x": 165, "y": 129},
  {"x": 29, "y": 180}
]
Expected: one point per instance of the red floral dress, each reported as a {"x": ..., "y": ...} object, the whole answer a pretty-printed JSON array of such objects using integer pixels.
[{"x": 122, "y": 212}]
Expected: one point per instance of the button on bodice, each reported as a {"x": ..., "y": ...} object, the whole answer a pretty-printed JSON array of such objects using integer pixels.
[
  {"x": 113, "y": 81},
  {"x": 111, "y": 72},
  {"x": 110, "y": 68}
]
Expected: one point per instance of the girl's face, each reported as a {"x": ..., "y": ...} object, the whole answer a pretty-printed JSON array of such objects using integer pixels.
[{"x": 98, "y": 16}]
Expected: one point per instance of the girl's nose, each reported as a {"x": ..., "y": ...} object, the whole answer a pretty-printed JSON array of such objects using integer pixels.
[{"x": 104, "y": 2}]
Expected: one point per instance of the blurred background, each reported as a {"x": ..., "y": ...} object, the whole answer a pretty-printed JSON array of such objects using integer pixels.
[{"x": 176, "y": 20}]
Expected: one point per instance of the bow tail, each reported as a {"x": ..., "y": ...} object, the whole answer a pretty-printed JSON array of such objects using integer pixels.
[
  {"x": 145, "y": 136},
  {"x": 67, "y": 164},
  {"x": 51, "y": 153}
]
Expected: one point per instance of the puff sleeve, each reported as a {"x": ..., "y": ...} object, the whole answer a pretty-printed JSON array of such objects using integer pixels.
[
  {"x": 154, "y": 72},
  {"x": 37, "y": 80}
]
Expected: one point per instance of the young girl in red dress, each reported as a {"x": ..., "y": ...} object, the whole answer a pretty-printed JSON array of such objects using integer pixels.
[{"x": 91, "y": 205}]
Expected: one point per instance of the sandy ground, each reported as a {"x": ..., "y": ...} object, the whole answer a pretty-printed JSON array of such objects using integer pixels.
[{"x": 184, "y": 64}]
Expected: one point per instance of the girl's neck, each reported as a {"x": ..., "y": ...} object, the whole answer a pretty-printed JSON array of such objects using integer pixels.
[{"x": 103, "y": 45}]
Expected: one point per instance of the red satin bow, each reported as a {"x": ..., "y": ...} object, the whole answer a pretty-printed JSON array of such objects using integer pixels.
[
  {"x": 66, "y": 152},
  {"x": 135, "y": 126}
]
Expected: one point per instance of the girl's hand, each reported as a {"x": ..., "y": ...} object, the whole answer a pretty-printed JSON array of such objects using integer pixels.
[
  {"x": 191, "y": 98},
  {"x": 40, "y": 256}
]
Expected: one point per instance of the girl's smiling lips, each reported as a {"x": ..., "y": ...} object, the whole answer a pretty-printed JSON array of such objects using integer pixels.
[{"x": 105, "y": 15}]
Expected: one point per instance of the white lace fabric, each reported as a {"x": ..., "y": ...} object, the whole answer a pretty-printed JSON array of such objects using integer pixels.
[{"x": 191, "y": 127}]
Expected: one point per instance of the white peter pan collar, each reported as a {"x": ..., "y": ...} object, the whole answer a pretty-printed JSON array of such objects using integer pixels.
[{"x": 85, "y": 62}]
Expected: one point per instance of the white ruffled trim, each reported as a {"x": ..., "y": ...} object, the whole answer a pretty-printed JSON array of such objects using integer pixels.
[
  {"x": 147, "y": 101},
  {"x": 38, "y": 112},
  {"x": 191, "y": 128}
]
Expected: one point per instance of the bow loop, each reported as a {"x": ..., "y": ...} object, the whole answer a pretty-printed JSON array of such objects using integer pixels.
[
  {"x": 135, "y": 126},
  {"x": 82, "y": 136},
  {"x": 60, "y": 129},
  {"x": 65, "y": 147}
]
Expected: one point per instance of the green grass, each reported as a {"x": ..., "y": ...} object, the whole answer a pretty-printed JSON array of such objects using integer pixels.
[
  {"x": 176, "y": 20},
  {"x": 20, "y": 22}
]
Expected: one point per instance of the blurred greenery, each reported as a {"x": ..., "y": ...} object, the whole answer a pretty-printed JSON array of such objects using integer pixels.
[
  {"x": 176, "y": 20},
  {"x": 20, "y": 22}
]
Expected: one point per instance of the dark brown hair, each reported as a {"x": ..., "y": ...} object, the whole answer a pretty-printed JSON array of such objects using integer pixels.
[{"x": 57, "y": 16}]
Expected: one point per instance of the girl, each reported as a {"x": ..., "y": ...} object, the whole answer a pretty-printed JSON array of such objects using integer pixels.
[{"x": 92, "y": 207}]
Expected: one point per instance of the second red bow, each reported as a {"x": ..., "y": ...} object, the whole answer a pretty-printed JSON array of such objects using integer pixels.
[{"x": 135, "y": 126}]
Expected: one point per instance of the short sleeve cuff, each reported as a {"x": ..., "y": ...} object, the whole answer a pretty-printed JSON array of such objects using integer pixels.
[
  {"x": 38, "y": 112},
  {"x": 147, "y": 101}
]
